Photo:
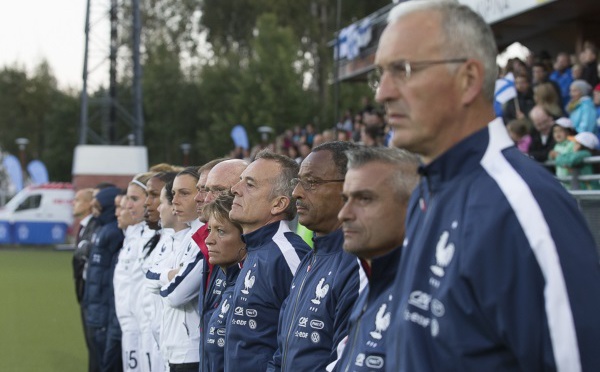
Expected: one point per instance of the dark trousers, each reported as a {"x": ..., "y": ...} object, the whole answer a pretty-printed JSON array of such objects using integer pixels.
[
  {"x": 184, "y": 367},
  {"x": 93, "y": 363},
  {"x": 98, "y": 335},
  {"x": 113, "y": 358}
]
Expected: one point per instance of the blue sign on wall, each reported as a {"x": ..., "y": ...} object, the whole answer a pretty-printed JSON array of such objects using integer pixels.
[{"x": 33, "y": 233}]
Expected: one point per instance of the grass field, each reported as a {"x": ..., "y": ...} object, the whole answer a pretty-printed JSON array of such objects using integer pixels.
[{"x": 40, "y": 326}]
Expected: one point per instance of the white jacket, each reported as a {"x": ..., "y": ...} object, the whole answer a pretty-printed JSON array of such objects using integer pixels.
[
  {"x": 122, "y": 277},
  {"x": 151, "y": 300},
  {"x": 180, "y": 333},
  {"x": 138, "y": 279}
]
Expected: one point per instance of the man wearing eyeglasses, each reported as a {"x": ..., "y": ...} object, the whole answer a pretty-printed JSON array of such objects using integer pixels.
[
  {"x": 313, "y": 319},
  {"x": 498, "y": 270}
]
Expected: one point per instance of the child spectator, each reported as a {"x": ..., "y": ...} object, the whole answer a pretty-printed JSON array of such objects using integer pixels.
[
  {"x": 561, "y": 131},
  {"x": 518, "y": 130},
  {"x": 585, "y": 145}
]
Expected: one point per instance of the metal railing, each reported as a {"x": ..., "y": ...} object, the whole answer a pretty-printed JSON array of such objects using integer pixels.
[
  {"x": 575, "y": 177},
  {"x": 589, "y": 204},
  {"x": 587, "y": 200}
]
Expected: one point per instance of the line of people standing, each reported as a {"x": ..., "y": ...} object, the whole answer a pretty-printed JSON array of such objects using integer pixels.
[
  {"x": 207, "y": 261},
  {"x": 468, "y": 257}
]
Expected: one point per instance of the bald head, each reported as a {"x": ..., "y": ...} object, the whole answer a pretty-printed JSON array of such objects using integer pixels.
[
  {"x": 541, "y": 120},
  {"x": 222, "y": 177},
  {"x": 82, "y": 203}
]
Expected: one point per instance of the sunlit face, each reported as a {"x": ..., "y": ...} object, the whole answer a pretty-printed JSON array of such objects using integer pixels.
[
  {"x": 421, "y": 109},
  {"x": 82, "y": 203},
  {"x": 372, "y": 216},
  {"x": 575, "y": 93},
  {"x": 562, "y": 62},
  {"x": 253, "y": 203},
  {"x": 542, "y": 122},
  {"x": 136, "y": 197},
  {"x": 152, "y": 201},
  {"x": 118, "y": 208},
  {"x": 184, "y": 190},
  {"x": 165, "y": 209},
  {"x": 224, "y": 241},
  {"x": 559, "y": 133},
  {"x": 200, "y": 193},
  {"x": 221, "y": 178},
  {"x": 124, "y": 218},
  {"x": 318, "y": 208}
]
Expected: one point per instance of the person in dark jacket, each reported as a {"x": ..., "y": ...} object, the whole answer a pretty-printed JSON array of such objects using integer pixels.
[
  {"x": 542, "y": 141},
  {"x": 218, "y": 182},
  {"x": 226, "y": 251},
  {"x": 82, "y": 210},
  {"x": 262, "y": 206},
  {"x": 99, "y": 296},
  {"x": 589, "y": 60},
  {"x": 377, "y": 188},
  {"x": 520, "y": 106},
  {"x": 314, "y": 318},
  {"x": 499, "y": 270}
]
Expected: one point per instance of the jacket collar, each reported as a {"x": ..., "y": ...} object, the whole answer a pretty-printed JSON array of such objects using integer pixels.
[
  {"x": 459, "y": 160},
  {"x": 259, "y": 237},
  {"x": 383, "y": 270},
  {"x": 330, "y": 243},
  {"x": 231, "y": 274}
]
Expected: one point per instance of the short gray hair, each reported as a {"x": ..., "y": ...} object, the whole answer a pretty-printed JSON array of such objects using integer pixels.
[
  {"x": 338, "y": 151},
  {"x": 406, "y": 163},
  {"x": 283, "y": 182},
  {"x": 582, "y": 86},
  {"x": 464, "y": 34}
]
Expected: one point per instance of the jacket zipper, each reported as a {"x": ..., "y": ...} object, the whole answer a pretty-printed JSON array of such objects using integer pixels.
[
  {"x": 283, "y": 357},
  {"x": 353, "y": 346}
]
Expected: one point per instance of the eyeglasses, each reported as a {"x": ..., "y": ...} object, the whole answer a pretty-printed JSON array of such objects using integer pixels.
[
  {"x": 217, "y": 190},
  {"x": 401, "y": 70},
  {"x": 310, "y": 184}
]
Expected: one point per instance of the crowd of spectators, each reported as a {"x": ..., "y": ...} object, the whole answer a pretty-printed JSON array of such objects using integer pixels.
[
  {"x": 566, "y": 86},
  {"x": 366, "y": 126},
  {"x": 554, "y": 96}
]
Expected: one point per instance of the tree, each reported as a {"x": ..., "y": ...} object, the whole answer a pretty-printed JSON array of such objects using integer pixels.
[
  {"x": 264, "y": 89},
  {"x": 34, "y": 107},
  {"x": 230, "y": 27}
]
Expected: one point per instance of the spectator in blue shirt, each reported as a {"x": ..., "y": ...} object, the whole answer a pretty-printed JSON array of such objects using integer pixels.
[{"x": 562, "y": 75}]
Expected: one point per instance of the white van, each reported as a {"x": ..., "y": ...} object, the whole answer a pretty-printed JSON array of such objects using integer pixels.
[{"x": 41, "y": 214}]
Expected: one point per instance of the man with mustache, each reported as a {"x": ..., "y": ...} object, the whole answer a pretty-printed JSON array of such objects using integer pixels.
[{"x": 313, "y": 319}]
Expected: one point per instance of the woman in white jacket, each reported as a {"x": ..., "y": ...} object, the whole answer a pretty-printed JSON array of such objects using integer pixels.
[
  {"x": 179, "y": 338},
  {"x": 135, "y": 236},
  {"x": 143, "y": 303},
  {"x": 163, "y": 259}
]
